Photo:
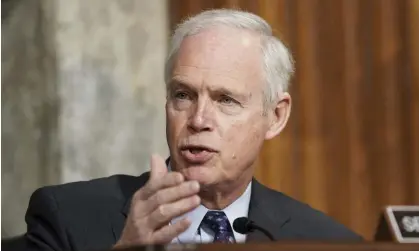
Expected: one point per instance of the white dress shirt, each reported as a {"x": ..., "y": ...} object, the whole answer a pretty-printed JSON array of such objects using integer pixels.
[{"x": 239, "y": 208}]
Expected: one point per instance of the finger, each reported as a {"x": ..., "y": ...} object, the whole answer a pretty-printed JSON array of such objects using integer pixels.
[
  {"x": 166, "y": 212},
  {"x": 169, "y": 180},
  {"x": 171, "y": 194},
  {"x": 167, "y": 233},
  {"x": 158, "y": 167},
  {"x": 164, "y": 196}
]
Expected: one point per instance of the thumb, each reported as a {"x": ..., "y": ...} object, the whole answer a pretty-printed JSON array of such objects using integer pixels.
[{"x": 158, "y": 167}]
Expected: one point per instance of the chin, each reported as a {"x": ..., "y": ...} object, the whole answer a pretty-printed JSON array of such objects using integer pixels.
[{"x": 201, "y": 173}]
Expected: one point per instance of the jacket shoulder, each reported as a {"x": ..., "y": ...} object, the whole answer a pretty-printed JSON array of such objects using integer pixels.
[
  {"x": 93, "y": 192},
  {"x": 306, "y": 222},
  {"x": 79, "y": 214}
]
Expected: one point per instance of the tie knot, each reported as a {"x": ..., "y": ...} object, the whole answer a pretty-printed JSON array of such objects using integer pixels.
[{"x": 217, "y": 221}]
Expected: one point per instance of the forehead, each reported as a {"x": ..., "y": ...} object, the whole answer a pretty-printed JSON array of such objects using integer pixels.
[{"x": 220, "y": 53}]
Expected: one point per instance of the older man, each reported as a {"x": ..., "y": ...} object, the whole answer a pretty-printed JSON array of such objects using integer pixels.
[{"x": 226, "y": 78}]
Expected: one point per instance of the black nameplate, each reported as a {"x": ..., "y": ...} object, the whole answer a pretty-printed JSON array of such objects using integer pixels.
[{"x": 404, "y": 221}]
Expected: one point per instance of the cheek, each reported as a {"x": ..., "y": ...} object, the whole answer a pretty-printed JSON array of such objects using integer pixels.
[
  {"x": 174, "y": 118},
  {"x": 174, "y": 124},
  {"x": 244, "y": 140},
  {"x": 238, "y": 140},
  {"x": 176, "y": 128}
]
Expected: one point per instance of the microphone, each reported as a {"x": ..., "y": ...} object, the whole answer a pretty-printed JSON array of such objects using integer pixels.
[{"x": 243, "y": 225}]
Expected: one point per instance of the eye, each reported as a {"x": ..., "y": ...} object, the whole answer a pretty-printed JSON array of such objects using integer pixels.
[
  {"x": 227, "y": 100},
  {"x": 181, "y": 95}
]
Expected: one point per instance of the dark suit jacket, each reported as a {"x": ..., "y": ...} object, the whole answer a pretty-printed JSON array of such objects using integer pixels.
[{"x": 90, "y": 215}]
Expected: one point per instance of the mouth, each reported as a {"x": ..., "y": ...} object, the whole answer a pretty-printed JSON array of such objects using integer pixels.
[
  {"x": 197, "y": 154},
  {"x": 197, "y": 148}
]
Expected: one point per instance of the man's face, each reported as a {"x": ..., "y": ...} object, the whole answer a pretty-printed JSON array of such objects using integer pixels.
[{"x": 214, "y": 109}]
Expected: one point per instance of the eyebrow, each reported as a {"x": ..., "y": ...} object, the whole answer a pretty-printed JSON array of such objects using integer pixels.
[{"x": 180, "y": 83}]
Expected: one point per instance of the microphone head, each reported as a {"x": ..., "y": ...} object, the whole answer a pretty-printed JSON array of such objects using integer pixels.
[{"x": 242, "y": 225}]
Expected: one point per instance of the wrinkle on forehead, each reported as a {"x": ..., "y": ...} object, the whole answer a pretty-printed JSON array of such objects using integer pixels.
[
  {"x": 182, "y": 71},
  {"x": 224, "y": 51}
]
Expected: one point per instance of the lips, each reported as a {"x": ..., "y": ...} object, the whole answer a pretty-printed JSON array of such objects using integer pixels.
[{"x": 197, "y": 154}]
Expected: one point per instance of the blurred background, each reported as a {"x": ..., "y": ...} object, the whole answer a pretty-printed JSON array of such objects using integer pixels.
[{"x": 83, "y": 97}]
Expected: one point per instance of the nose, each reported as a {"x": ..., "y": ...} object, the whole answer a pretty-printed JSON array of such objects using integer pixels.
[{"x": 201, "y": 118}]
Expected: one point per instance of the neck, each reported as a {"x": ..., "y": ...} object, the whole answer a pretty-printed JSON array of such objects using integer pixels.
[{"x": 220, "y": 197}]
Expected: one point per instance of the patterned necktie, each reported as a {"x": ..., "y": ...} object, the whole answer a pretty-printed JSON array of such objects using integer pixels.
[{"x": 218, "y": 222}]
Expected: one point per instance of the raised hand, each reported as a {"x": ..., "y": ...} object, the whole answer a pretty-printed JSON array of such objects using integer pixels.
[{"x": 165, "y": 196}]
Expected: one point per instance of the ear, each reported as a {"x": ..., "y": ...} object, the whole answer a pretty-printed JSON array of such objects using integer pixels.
[{"x": 279, "y": 117}]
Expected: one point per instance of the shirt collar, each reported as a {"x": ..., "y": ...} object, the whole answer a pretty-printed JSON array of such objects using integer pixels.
[{"x": 239, "y": 208}]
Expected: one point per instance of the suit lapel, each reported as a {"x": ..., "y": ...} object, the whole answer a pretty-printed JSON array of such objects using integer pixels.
[
  {"x": 128, "y": 191},
  {"x": 265, "y": 210},
  {"x": 140, "y": 182}
]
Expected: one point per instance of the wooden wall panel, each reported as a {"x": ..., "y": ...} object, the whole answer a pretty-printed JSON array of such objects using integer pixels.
[
  {"x": 353, "y": 72},
  {"x": 352, "y": 143},
  {"x": 413, "y": 65}
]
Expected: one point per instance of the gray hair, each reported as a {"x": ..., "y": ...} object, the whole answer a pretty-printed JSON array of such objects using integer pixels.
[{"x": 277, "y": 61}]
